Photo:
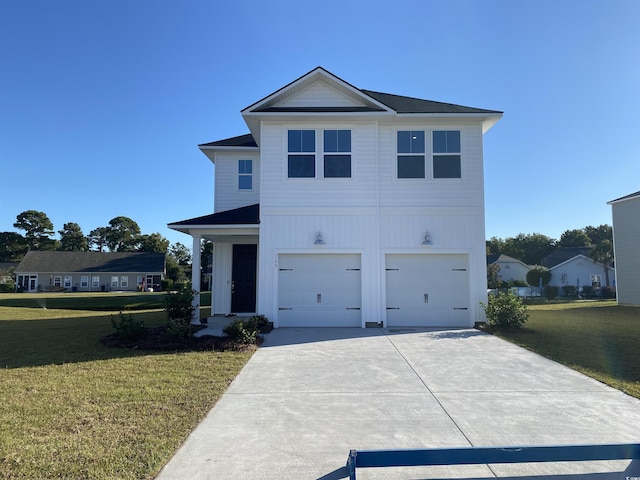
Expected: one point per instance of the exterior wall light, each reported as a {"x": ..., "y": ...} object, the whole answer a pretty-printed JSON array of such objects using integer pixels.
[
  {"x": 319, "y": 239},
  {"x": 427, "y": 239}
]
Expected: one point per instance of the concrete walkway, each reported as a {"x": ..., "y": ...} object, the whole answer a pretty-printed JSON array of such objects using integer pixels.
[{"x": 308, "y": 396}]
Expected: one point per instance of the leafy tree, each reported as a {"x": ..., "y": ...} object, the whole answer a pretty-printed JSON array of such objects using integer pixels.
[
  {"x": 123, "y": 235},
  {"x": 493, "y": 278},
  {"x": 495, "y": 246},
  {"x": 181, "y": 254},
  {"x": 529, "y": 248},
  {"x": 536, "y": 273},
  {"x": 574, "y": 238},
  {"x": 38, "y": 229},
  {"x": 154, "y": 243},
  {"x": 603, "y": 253},
  {"x": 72, "y": 239},
  {"x": 13, "y": 247},
  {"x": 98, "y": 238},
  {"x": 599, "y": 234}
]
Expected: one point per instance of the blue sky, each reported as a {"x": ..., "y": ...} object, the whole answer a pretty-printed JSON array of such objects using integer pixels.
[{"x": 103, "y": 103}]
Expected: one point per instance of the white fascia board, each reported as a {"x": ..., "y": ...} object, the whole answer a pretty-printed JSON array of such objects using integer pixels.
[
  {"x": 624, "y": 199},
  {"x": 210, "y": 151},
  {"x": 488, "y": 119},
  {"x": 217, "y": 229}
]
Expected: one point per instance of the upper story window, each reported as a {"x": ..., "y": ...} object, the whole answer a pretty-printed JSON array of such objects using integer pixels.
[
  {"x": 337, "y": 153},
  {"x": 411, "y": 154},
  {"x": 446, "y": 154},
  {"x": 302, "y": 154},
  {"x": 245, "y": 174}
]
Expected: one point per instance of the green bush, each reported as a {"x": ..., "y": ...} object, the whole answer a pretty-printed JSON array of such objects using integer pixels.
[
  {"x": 588, "y": 292},
  {"x": 166, "y": 284},
  {"x": 180, "y": 310},
  {"x": 608, "y": 292},
  {"x": 570, "y": 291},
  {"x": 7, "y": 288},
  {"x": 246, "y": 331},
  {"x": 536, "y": 273},
  {"x": 505, "y": 312},
  {"x": 551, "y": 292},
  {"x": 129, "y": 328}
]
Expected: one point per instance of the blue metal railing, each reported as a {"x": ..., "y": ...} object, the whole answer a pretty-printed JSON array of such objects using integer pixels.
[{"x": 484, "y": 455}]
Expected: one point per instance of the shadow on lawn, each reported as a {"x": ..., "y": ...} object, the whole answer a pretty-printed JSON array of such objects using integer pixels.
[{"x": 47, "y": 341}]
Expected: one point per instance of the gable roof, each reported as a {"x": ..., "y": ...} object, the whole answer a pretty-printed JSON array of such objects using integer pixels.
[
  {"x": 626, "y": 197},
  {"x": 54, "y": 261},
  {"x": 249, "y": 215},
  {"x": 562, "y": 254},
  {"x": 348, "y": 100}
]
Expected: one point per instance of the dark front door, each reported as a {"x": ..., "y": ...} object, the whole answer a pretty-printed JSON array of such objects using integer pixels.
[{"x": 243, "y": 278}]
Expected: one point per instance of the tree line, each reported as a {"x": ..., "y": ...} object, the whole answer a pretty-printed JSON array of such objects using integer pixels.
[{"x": 121, "y": 234}]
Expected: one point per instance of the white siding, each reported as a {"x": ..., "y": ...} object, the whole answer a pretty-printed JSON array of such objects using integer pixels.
[
  {"x": 227, "y": 196},
  {"x": 626, "y": 236},
  {"x": 319, "y": 94},
  {"x": 577, "y": 272}
]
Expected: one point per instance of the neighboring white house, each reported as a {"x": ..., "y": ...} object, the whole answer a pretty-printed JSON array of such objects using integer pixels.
[
  {"x": 510, "y": 269},
  {"x": 346, "y": 207},
  {"x": 626, "y": 247},
  {"x": 579, "y": 271}
]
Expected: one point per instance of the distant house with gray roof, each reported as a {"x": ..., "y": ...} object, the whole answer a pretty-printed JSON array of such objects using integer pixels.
[{"x": 90, "y": 271}]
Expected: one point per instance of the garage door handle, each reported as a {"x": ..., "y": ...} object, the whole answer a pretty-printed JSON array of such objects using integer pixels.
[
  {"x": 426, "y": 298},
  {"x": 285, "y": 308},
  {"x": 353, "y": 308},
  {"x": 393, "y": 308}
]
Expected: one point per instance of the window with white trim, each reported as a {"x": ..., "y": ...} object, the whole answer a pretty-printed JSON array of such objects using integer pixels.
[
  {"x": 95, "y": 281},
  {"x": 84, "y": 281},
  {"x": 337, "y": 153},
  {"x": 57, "y": 281},
  {"x": 245, "y": 174},
  {"x": 67, "y": 282},
  {"x": 596, "y": 281},
  {"x": 446, "y": 154},
  {"x": 411, "y": 154},
  {"x": 124, "y": 282},
  {"x": 114, "y": 282},
  {"x": 301, "y": 161}
]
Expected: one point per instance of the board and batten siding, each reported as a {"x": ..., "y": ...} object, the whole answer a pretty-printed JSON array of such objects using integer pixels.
[
  {"x": 468, "y": 190},
  {"x": 364, "y": 232},
  {"x": 227, "y": 195},
  {"x": 626, "y": 237},
  {"x": 279, "y": 190}
]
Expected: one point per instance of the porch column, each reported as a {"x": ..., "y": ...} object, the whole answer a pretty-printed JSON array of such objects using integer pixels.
[{"x": 195, "y": 278}]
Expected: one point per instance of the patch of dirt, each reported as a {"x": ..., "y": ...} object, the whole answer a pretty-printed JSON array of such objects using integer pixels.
[{"x": 157, "y": 340}]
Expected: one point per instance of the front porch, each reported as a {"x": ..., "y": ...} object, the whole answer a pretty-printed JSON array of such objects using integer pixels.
[{"x": 234, "y": 234}]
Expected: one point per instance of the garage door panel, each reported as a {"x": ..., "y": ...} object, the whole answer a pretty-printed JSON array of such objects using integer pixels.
[
  {"x": 427, "y": 290},
  {"x": 319, "y": 290}
]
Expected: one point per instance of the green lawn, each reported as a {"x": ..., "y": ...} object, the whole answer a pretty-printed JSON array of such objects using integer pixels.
[
  {"x": 72, "y": 408},
  {"x": 599, "y": 339}
]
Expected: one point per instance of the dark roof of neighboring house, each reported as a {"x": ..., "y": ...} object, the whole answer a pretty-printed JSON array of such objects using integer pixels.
[
  {"x": 54, "y": 261},
  {"x": 493, "y": 258},
  {"x": 249, "y": 215},
  {"x": 626, "y": 197},
  {"x": 563, "y": 254},
  {"x": 239, "y": 141}
]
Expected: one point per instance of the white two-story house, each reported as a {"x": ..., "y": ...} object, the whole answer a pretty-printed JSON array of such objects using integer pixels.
[{"x": 349, "y": 207}]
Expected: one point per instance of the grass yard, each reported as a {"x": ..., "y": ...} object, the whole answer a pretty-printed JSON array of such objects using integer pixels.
[
  {"x": 73, "y": 408},
  {"x": 599, "y": 339}
]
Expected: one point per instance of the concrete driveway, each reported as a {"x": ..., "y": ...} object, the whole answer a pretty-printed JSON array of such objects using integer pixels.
[{"x": 310, "y": 395}]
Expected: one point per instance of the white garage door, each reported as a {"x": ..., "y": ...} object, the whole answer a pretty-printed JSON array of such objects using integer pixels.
[
  {"x": 319, "y": 290},
  {"x": 427, "y": 290}
]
